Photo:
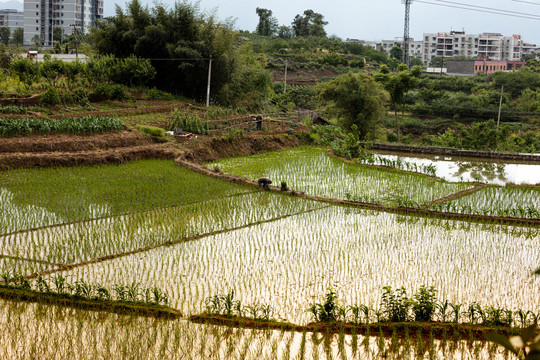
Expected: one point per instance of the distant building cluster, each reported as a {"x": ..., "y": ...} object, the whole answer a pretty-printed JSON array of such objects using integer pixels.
[
  {"x": 41, "y": 17},
  {"x": 11, "y": 19},
  {"x": 485, "y": 46}
]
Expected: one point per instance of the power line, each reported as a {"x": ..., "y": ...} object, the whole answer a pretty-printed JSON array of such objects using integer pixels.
[
  {"x": 485, "y": 7},
  {"x": 492, "y": 11},
  {"x": 527, "y": 2}
]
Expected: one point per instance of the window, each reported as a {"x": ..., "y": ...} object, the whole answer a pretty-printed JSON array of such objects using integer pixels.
[{"x": 37, "y": 21}]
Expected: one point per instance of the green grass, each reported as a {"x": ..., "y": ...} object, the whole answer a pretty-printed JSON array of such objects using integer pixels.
[
  {"x": 37, "y": 197},
  {"x": 311, "y": 170}
]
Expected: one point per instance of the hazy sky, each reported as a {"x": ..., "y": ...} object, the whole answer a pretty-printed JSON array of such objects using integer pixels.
[{"x": 381, "y": 19}]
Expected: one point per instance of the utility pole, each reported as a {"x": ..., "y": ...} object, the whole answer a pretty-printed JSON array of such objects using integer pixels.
[
  {"x": 208, "y": 87},
  {"x": 76, "y": 41},
  {"x": 406, "y": 31},
  {"x": 500, "y": 106},
  {"x": 285, "y": 80}
]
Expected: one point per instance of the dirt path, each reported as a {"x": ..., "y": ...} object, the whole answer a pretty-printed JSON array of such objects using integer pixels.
[{"x": 459, "y": 194}]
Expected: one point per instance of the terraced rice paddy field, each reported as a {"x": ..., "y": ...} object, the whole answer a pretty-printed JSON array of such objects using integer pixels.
[{"x": 155, "y": 225}]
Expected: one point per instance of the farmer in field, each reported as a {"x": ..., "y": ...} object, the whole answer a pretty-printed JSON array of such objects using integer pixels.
[
  {"x": 264, "y": 182},
  {"x": 258, "y": 119}
]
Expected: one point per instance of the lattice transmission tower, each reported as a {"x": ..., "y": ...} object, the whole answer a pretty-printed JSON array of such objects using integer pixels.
[{"x": 406, "y": 31}]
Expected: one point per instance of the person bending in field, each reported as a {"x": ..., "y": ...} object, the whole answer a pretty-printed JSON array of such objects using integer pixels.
[{"x": 264, "y": 182}]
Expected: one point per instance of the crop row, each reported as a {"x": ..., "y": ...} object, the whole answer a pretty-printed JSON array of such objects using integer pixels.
[
  {"x": 39, "y": 331},
  {"x": 311, "y": 170},
  {"x": 83, "y": 290},
  {"x": 98, "y": 238},
  {"x": 68, "y": 125},
  {"x": 36, "y": 197},
  {"x": 288, "y": 262}
]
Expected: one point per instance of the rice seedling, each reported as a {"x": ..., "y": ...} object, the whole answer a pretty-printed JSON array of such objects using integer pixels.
[
  {"x": 311, "y": 170},
  {"x": 291, "y": 262},
  {"x": 511, "y": 201},
  {"x": 37, "y": 197},
  {"x": 94, "y": 239}
]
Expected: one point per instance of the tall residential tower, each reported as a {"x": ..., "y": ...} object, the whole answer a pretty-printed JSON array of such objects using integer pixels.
[{"x": 42, "y": 16}]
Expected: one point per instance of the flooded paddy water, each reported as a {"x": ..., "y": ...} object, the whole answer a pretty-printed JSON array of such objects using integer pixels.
[{"x": 271, "y": 249}]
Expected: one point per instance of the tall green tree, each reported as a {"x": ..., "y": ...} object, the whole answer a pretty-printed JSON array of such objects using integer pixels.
[
  {"x": 268, "y": 24},
  {"x": 396, "y": 52},
  {"x": 356, "y": 99},
  {"x": 310, "y": 24},
  {"x": 180, "y": 41},
  {"x": 5, "y": 33},
  {"x": 18, "y": 36},
  {"x": 398, "y": 85}
]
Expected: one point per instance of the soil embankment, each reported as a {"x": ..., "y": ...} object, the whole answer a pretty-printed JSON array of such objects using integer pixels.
[
  {"x": 74, "y": 150},
  {"x": 210, "y": 149},
  {"x": 436, "y": 330}
]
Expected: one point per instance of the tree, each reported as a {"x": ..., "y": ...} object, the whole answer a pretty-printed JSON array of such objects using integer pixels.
[
  {"x": 58, "y": 34},
  {"x": 186, "y": 37},
  {"x": 285, "y": 32},
  {"x": 396, "y": 52},
  {"x": 356, "y": 99},
  {"x": 311, "y": 24},
  {"x": 5, "y": 32},
  {"x": 414, "y": 61},
  {"x": 18, "y": 36},
  {"x": 397, "y": 86},
  {"x": 268, "y": 24},
  {"x": 36, "y": 40}
]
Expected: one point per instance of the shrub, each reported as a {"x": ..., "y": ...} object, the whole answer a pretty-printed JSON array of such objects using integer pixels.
[
  {"x": 391, "y": 137},
  {"x": 424, "y": 303},
  {"x": 50, "y": 98},
  {"x": 395, "y": 305},
  {"x": 109, "y": 92},
  {"x": 155, "y": 94},
  {"x": 151, "y": 130}
]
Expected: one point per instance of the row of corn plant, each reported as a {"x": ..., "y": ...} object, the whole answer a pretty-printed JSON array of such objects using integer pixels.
[
  {"x": 84, "y": 290},
  {"x": 69, "y": 125},
  {"x": 227, "y": 305},
  {"x": 188, "y": 121},
  {"x": 423, "y": 306},
  {"x": 13, "y": 109}
]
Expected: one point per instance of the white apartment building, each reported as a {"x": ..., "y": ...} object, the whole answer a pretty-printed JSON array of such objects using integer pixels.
[
  {"x": 415, "y": 47},
  {"x": 12, "y": 19},
  {"x": 42, "y": 16},
  {"x": 491, "y": 46}
]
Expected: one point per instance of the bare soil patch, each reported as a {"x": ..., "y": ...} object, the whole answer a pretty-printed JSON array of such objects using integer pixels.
[
  {"x": 209, "y": 149},
  {"x": 108, "y": 156}
]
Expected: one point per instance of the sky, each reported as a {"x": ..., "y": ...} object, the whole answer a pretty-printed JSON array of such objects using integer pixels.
[{"x": 380, "y": 19}]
